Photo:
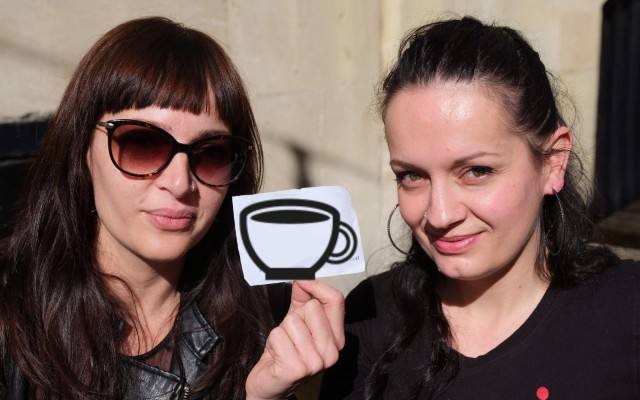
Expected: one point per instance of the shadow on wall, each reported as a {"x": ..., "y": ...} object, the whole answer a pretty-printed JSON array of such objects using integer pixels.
[
  {"x": 20, "y": 139},
  {"x": 301, "y": 157},
  {"x": 304, "y": 156}
]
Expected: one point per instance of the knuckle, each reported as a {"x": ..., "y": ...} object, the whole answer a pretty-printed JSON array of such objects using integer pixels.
[
  {"x": 290, "y": 320},
  {"x": 336, "y": 297},
  {"x": 276, "y": 335},
  {"x": 340, "y": 300},
  {"x": 340, "y": 342},
  {"x": 315, "y": 364},
  {"x": 298, "y": 369},
  {"x": 331, "y": 356},
  {"x": 313, "y": 305}
]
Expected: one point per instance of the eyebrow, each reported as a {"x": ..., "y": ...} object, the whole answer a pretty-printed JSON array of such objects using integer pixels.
[
  {"x": 403, "y": 165},
  {"x": 212, "y": 132},
  {"x": 467, "y": 159},
  {"x": 200, "y": 134},
  {"x": 456, "y": 163}
]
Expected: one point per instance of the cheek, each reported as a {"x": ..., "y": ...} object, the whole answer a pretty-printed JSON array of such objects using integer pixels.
[
  {"x": 99, "y": 170},
  {"x": 509, "y": 204},
  {"x": 412, "y": 208},
  {"x": 112, "y": 193},
  {"x": 112, "y": 200}
]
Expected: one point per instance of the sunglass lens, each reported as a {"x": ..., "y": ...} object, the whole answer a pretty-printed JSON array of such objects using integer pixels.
[
  {"x": 213, "y": 160},
  {"x": 140, "y": 150}
]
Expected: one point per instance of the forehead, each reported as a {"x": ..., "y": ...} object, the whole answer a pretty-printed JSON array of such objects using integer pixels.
[{"x": 447, "y": 118}]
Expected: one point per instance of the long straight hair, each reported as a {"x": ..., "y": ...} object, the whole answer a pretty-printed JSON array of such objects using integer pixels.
[
  {"x": 501, "y": 61},
  {"x": 55, "y": 295}
]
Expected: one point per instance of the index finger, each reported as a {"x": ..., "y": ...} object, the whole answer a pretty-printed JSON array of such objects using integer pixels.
[{"x": 331, "y": 299}]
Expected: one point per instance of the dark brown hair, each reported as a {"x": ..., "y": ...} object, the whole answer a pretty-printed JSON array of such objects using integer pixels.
[{"x": 55, "y": 295}]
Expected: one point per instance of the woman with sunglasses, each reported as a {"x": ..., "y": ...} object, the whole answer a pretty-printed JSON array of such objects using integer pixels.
[
  {"x": 122, "y": 277},
  {"x": 503, "y": 293}
]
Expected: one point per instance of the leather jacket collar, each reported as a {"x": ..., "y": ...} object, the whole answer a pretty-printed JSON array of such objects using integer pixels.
[{"x": 197, "y": 339}]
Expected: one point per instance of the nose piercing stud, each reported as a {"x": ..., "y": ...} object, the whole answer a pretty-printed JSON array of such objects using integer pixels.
[
  {"x": 193, "y": 186},
  {"x": 424, "y": 216}
]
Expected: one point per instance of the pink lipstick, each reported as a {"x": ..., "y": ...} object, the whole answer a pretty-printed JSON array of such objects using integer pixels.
[
  {"x": 455, "y": 244},
  {"x": 170, "y": 219}
]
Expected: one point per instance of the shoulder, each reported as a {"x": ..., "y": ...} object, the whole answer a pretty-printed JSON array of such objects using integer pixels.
[
  {"x": 368, "y": 325},
  {"x": 621, "y": 282},
  {"x": 623, "y": 274},
  {"x": 371, "y": 313},
  {"x": 612, "y": 295}
]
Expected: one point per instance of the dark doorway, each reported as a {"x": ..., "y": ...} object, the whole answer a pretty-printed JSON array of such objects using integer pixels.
[
  {"x": 618, "y": 127},
  {"x": 20, "y": 139}
]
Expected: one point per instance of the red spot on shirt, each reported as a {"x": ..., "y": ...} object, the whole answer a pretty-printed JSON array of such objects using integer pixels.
[{"x": 542, "y": 393}]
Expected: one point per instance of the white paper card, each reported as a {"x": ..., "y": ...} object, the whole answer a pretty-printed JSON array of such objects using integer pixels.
[{"x": 297, "y": 234}]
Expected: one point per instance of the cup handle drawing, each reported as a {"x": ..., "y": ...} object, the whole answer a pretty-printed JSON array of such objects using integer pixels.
[{"x": 349, "y": 248}]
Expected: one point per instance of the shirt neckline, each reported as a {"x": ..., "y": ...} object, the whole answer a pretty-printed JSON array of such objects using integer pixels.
[{"x": 516, "y": 338}]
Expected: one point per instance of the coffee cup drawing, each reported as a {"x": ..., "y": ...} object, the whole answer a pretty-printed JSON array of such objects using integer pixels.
[{"x": 294, "y": 238}]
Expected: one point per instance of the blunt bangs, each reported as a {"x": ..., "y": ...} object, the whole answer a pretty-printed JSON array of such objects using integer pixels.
[
  {"x": 167, "y": 65},
  {"x": 165, "y": 71}
]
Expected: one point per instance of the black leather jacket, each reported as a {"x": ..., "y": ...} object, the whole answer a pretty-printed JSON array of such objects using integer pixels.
[{"x": 196, "y": 342}]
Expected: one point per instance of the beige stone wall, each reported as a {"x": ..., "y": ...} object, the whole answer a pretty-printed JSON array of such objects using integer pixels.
[{"x": 311, "y": 68}]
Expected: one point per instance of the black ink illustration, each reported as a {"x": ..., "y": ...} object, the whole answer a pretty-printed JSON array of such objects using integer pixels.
[{"x": 294, "y": 238}]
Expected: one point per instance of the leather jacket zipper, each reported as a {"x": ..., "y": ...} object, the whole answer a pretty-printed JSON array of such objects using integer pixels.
[{"x": 187, "y": 392}]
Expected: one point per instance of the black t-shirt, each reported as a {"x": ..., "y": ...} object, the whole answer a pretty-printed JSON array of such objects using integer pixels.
[{"x": 578, "y": 344}]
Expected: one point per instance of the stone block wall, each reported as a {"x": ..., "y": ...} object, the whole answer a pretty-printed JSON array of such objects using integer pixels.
[{"x": 311, "y": 68}]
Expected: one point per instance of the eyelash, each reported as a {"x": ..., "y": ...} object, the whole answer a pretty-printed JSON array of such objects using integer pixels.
[
  {"x": 481, "y": 170},
  {"x": 405, "y": 180}
]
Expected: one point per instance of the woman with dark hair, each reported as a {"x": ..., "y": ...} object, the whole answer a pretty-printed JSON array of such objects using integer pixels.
[
  {"x": 504, "y": 294},
  {"x": 122, "y": 277}
]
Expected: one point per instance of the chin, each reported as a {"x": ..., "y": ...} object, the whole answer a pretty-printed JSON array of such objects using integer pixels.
[
  {"x": 464, "y": 271},
  {"x": 166, "y": 254}
]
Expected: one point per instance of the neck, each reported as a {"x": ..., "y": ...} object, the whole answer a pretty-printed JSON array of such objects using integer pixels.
[
  {"x": 150, "y": 314},
  {"x": 150, "y": 296},
  {"x": 485, "y": 312},
  {"x": 491, "y": 296}
]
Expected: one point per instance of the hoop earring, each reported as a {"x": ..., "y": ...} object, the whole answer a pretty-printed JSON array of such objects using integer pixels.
[
  {"x": 389, "y": 231},
  {"x": 562, "y": 221},
  {"x": 560, "y": 237}
]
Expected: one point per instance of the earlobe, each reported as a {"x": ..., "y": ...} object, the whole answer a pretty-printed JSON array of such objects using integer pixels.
[{"x": 559, "y": 149}]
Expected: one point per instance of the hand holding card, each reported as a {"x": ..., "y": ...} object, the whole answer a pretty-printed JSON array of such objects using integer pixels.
[{"x": 307, "y": 341}]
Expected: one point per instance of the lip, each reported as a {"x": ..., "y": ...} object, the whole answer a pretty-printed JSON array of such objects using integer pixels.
[
  {"x": 168, "y": 219},
  {"x": 455, "y": 244}
]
